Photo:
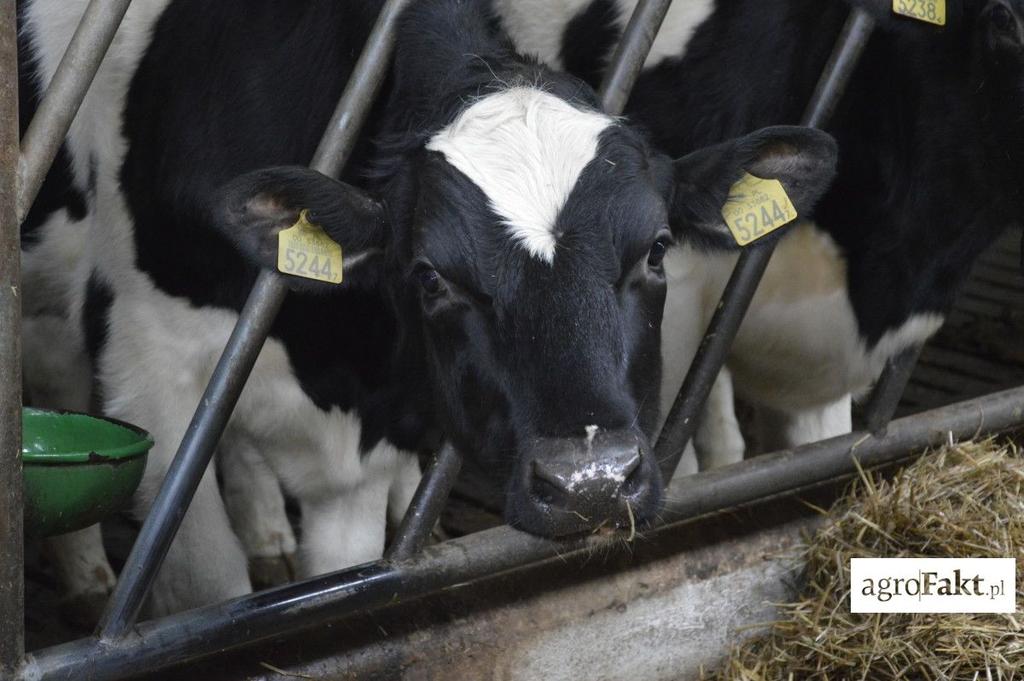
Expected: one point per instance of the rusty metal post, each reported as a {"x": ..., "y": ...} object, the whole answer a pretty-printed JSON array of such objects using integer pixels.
[{"x": 12, "y": 554}]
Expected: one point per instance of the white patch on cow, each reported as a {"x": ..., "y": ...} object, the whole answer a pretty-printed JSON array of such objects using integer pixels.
[
  {"x": 787, "y": 429},
  {"x": 161, "y": 351},
  {"x": 53, "y": 270},
  {"x": 81, "y": 563},
  {"x": 253, "y": 500},
  {"x": 159, "y": 355},
  {"x": 537, "y": 27},
  {"x": 719, "y": 440},
  {"x": 799, "y": 348},
  {"x": 681, "y": 22},
  {"x": 525, "y": 149}
]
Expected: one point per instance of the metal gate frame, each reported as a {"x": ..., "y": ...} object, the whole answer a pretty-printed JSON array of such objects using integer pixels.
[{"x": 122, "y": 647}]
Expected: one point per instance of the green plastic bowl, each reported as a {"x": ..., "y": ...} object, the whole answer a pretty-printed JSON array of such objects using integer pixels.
[{"x": 78, "y": 468}]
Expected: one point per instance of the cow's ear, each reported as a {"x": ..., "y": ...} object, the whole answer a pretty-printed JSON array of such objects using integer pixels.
[
  {"x": 802, "y": 159},
  {"x": 254, "y": 208}
]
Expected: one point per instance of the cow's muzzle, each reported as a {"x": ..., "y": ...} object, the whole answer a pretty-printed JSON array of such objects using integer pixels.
[{"x": 572, "y": 485}]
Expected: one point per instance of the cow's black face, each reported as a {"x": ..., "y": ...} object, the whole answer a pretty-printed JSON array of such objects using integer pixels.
[
  {"x": 543, "y": 320},
  {"x": 525, "y": 239}
]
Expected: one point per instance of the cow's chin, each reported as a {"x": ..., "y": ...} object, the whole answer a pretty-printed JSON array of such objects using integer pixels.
[{"x": 569, "y": 526}]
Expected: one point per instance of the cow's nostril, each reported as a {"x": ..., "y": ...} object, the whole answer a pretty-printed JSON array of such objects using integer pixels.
[
  {"x": 629, "y": 467},
  {"x": 634, "y": 483},
  {"x": 552, "y": 474},
  {"x": 546, "y": 488}
]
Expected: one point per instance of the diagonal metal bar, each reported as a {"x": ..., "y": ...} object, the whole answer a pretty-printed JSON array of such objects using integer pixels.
[
  {"x": 631, "y": 53},
  {"x": 426, "y": 505},
  {"x": 239, "y": 356},
  {"x": 65, "y": 94},
  {"x": 885, "y": 398},
  {"x": 12, "y": 593},
  {"x": 681, "y": 422},
  {"x": 315, "y": 602}
]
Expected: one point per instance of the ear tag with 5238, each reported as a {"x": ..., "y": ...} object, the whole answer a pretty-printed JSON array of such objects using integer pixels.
[
  {"x": 930, "y": 11},
  {"x": 755, "y": 208},
  {"x": 305, "y": 250}
]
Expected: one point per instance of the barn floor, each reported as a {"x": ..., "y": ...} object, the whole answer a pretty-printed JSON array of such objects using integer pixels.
[{"x": 978, "y": 351}]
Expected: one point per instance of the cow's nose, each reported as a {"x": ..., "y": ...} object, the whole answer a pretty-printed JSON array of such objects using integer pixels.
[
  {"x": 565, "y": 480},
  {"x": 577, "y": 484}
]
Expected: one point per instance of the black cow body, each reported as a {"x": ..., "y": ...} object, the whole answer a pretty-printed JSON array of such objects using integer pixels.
[
  {"x": 503, "y": 281},
  {"x": 930, "y": 139}
]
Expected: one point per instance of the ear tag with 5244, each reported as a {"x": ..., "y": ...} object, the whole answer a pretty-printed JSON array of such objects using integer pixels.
[
  {"x": 931, "y": 11},
  {"x": 305, "y": 250},
  {"x": 755, "y": 208}
]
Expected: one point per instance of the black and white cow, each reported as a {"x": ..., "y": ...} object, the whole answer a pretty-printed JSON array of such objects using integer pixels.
[
  {"x": 503, "y": 283},
  {"x": 931, "y": 134}
]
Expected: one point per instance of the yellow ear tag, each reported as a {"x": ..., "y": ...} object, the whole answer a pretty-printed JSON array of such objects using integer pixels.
[
  {"x": 756, "y": 208},
  {"x": 931, "y": 11},
  {"x": 305, "y": 250}
]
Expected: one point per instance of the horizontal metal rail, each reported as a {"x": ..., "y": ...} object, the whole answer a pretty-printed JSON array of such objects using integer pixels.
[
  {"x": 65, "y": 94},
  {"x": 239, "y": 356},
  {"x": 681, "y": 421},
  {"x": 189, "y": 636}
]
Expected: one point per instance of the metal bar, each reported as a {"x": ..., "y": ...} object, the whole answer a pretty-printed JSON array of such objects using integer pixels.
[
  {"x": 631, "y": 53},
  {"x": 885, "y": 398},
  {"x": 426, "y": 505},
  {"x": 188, "y": 636},
  {"x": 681, "y": 421},
  {"x": 12, "y": 592},
  {"x": 193, "y": 455},
  {"x": 247, "y": 339},
  {"x": 64, "y": 95}
]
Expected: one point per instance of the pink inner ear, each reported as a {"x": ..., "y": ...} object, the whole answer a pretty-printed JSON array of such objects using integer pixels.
[{"x": 267, "y": 207}]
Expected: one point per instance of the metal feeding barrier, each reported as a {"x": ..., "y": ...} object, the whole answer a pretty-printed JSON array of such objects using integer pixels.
[{"x": 121, "y": 646}]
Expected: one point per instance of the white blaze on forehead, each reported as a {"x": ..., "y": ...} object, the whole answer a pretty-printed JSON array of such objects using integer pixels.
[{"x": 525, "y": 149}]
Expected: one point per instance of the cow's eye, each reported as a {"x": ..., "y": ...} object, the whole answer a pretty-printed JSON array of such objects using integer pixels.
[
  {"x": 657, "y": 254},
  {"x": 1001, "y": 17},
  {"x": 430, "y": 281}
]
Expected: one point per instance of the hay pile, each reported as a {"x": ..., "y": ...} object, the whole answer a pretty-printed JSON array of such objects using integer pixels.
[{"x": 962, "y": 501}]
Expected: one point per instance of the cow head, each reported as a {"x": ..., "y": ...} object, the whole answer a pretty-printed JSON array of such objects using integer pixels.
[{"x": 524, "y": 232}]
